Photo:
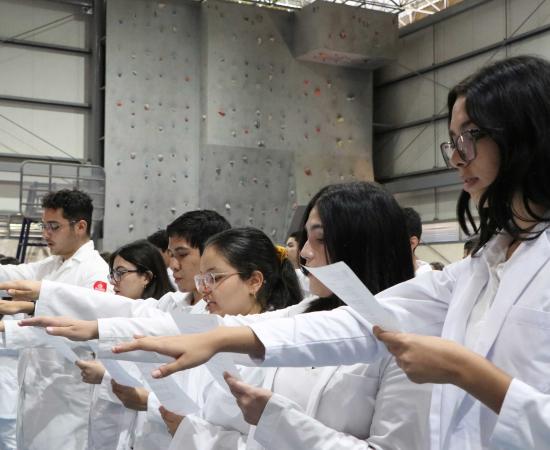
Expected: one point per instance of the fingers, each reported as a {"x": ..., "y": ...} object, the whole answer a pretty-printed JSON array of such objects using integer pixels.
[
  {"x": 168, "y": 369},
  {"x": 81, "y": 364},
  {"x": 18, "y": 294},
  {"x": 136, "y": 344},
  {"x": 236, "y": 386},
  {"x": 46, "y": 322}
]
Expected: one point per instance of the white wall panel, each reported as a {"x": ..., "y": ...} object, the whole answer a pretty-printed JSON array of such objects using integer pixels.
[
  {"x": 66, "y": 130},
  {"x": 538, "y": 45},
  {"x": 422, "y": 201},
  {"x": 470, "y": 30},
  {"x": 43, "y": 74},
  {"x": 18, "y": 17},
  {"x": 415, "y": 51},
  {"x": 449, "y": 76},
  {"x": 405, "y": 151},
  {"x": 405, "y": 101},
  {"x": 522, "y": 17},
  {"x": 446, "y": 198}
]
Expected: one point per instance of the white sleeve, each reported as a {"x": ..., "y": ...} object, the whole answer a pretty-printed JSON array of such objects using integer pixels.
[
  {"x": 195, "y": 433},
  {"x": 524, "y": 419},
  {"x": 115, "y": 330},
  {"x": 31, "y": 271},
  {"x": 344, "y": 337},
  {"x": 60, "y": 299}
]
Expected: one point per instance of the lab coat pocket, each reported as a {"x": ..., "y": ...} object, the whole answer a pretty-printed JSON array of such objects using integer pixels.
[
  {"x": 522, "y": 346},
  {"x": 348, "y": 402}
]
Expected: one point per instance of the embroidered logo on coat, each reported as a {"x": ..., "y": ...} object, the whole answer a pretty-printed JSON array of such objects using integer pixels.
[{"x": 100, "y": 286}]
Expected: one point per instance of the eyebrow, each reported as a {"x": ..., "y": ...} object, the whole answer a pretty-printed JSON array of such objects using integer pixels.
[{"x": 464, "y": 126}]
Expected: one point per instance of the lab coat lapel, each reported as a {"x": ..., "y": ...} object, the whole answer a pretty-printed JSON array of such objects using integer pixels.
[
  {"x": 320, "y": 385},
  {"x": 515, "y": 278},
  {"x": 459, "y": 311}
]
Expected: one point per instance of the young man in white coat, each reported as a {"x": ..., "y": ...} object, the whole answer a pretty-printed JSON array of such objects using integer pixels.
[{"x": 54, "y": 404}]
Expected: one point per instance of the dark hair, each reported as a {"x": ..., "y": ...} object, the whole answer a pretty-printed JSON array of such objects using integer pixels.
[
  {"x": 147, "y": 259},
  {"x": 414, "y": 223},
  {"x": 470, "y": 244},
  {"x": 159, "y": 239},
  {"x": 295, "y": 235},
  {"x": 5, "y": 260},
  {"x": 248, "y": 249},
  {"x": 365, "y": 228},
  {"x": 509, "y": 100},
  {"x": 436, "y": 265},
  {"x": 75, "y": 205},
  {"x": 197, "y": 226}
]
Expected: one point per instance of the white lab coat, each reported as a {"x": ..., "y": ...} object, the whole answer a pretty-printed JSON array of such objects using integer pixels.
[
  {"x": 357, "y": 405},
  {"x": 54, "y": 404},
  {"x": 515, "y": 337},
  {"x": 9, "y": 390}
]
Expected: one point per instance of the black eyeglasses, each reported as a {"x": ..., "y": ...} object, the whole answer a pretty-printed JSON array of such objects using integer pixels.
[
  {"x": 117, "y": 274},
  {"x": 465, "y": 145}
]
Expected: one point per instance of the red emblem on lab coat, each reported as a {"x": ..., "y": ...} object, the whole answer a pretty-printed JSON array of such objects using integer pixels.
[{"x": 100, "y": 286}]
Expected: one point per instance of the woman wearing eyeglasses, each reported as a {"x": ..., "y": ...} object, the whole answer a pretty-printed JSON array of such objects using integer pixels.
[
  {"x": 136, "y": 271},
  {"x": 488, "y": 315}
]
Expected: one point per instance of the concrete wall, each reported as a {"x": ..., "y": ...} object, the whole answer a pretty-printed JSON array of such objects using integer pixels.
[{"x": 242, "y": 126}]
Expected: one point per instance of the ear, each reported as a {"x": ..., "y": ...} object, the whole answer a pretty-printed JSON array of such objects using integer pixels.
[
  {"x": 255, "y": 281},
  {"x": 81, "y": 226},
  {"x": 414, "y": 243}
]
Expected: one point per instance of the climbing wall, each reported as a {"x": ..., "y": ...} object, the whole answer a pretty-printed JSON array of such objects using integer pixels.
[
  {"x": 247, "y": 128},
  {"x": 152, "y": 116}
]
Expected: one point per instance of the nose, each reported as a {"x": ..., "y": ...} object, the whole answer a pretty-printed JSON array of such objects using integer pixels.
[
  {"x": 306, "y": 252},
  {"x": 456, "y": 160},
  {"x": 174, "y": 264}
]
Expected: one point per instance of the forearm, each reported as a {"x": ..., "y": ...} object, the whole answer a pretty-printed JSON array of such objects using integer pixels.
[
  {"x": 236, "y": 340},
  {"x": 482, "y": 379}
]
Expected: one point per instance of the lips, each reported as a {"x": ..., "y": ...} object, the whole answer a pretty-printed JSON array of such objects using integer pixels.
[{"x": 469, "y": 182}]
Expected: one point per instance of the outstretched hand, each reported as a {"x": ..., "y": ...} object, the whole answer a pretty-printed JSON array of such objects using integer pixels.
[
  {"x": 9, "y": 307},
  {"x": 25, "y": 290},
  {"x": 74, "y": 329},
  {"x": 189, "y": 350},
  {"x": 251, "y": 399}
]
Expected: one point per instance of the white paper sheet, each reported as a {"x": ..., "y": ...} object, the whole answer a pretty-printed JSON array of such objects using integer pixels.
[
  {"x": 119, "y": 373},
  {"x": 62, "y": 347},
  {"x": 169, "y": 393},
  {"x": 343, "y": 282},
  {"x": 198, "y": 323}
]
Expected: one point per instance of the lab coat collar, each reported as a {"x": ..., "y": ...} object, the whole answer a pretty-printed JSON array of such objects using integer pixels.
[{"x": 83, "y": 252}]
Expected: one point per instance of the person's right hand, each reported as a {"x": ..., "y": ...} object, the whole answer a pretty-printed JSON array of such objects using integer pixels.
[
  {"x": 74, "y": 329},
  {"x": 27, "y": 290},
  {"x": 189, "y": 350},
  {"x": 92, "y": 371},
  {"x": 9, "y": 307}
]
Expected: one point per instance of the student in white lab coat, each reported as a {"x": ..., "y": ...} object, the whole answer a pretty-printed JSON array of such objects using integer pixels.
[
  {"x": 354, "y": 407},
  {"x": 384, "y": 409},
  {"x": 54, "y": 404},
  {"x": 241, "y": 273},
  {"x": 136, "y": 270},
  {"x": 491, "y": 309}
]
